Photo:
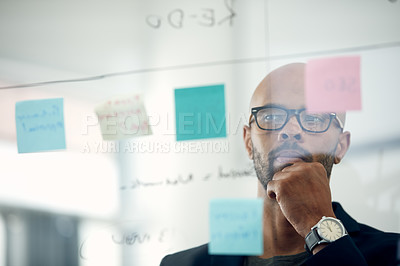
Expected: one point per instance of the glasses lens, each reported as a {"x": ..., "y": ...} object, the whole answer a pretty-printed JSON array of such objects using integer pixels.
[
  {"x": 271, "y": 118},
  {"x": 315, "y": 121}
]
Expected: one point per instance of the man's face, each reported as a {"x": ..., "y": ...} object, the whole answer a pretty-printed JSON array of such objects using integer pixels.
[{"x": 273, "y": 150}]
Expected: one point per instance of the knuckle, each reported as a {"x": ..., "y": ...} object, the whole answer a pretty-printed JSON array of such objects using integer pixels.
[{"x": 282, "y": 186}]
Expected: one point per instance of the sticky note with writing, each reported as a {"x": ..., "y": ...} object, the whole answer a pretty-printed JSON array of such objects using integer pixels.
[
  {"x": 333, "y": 84},
  {"x": 40, "y": 125},
  {"x": 236, "y": 227},
  {"x": 123, "y": 117},
  {"x": 200, "y": 112}
]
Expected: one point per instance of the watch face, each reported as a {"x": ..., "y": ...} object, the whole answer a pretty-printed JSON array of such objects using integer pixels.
[{"x": 330, "y": 230}]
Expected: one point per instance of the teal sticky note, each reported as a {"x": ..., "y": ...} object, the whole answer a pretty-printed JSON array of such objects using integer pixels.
[
  {"x": 40, "y": 125},
  {"x": 236, "y": 227},
  {"x": 200, "y": 112}
]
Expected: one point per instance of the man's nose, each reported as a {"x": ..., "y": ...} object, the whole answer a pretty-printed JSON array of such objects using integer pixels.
[{"x": 291, "y": 131}]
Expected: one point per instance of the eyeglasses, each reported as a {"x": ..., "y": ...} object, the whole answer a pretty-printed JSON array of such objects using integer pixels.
[{"x": 273, "y": 117}]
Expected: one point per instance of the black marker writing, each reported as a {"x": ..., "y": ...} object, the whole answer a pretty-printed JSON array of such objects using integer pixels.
[
  {"x": 231, "y": 15},
  {"x": 234, "y": 173},
  {"x": 206, "y": 17},
  {"x": 190, "y": 178},
  {"x": 131, "y": 239},
  {"x": 180, "y": 180},
  {"x": 175, "y": 18}
]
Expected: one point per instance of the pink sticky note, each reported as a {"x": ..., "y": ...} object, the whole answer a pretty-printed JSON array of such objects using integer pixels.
[{"x": 333, "y": 84}]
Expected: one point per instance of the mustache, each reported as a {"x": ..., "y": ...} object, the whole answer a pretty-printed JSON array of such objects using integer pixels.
[{"x": 291, "y": 146}]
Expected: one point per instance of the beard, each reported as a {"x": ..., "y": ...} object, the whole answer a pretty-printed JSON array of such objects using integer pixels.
[{"x": 264, "y": 165}]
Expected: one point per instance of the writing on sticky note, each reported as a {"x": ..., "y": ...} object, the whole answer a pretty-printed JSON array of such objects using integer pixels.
[
  {"x": 236, "y": 227},
  {"x": 123, "y": 117},
  {"x": 333, "y": 84},
  {"x": 40, "y": 125},
  {"x": 200, "y": 112}
]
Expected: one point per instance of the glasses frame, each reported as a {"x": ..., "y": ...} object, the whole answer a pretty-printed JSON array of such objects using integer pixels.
[{"x": 290, "y": 113}]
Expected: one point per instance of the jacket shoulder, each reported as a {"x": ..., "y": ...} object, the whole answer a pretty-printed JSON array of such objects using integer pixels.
[
  {"x": 378, "y": 247},
  {"x": 193, "y": 257}
]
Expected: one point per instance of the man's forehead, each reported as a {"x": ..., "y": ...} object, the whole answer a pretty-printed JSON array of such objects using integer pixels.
[
  {"x": 281, "y": 106},
  {"x": 284, "y": 86},
  {"x": 282, "y": 82},
  {"x": 277, "y": 96}
]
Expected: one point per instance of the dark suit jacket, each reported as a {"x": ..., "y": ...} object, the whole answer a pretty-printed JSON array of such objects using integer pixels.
[{"x": 363, "y": 246}]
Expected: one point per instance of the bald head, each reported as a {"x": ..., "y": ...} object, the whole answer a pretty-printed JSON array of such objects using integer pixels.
[
  {"x": 289, "y": 78},
  {"x": 284, "y": 86}
]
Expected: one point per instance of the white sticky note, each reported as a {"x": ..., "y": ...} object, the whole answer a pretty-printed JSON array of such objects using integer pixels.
[{"x": 123, "y": 117}]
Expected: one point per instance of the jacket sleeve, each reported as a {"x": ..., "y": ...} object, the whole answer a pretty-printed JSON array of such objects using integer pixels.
[{"x": 340, "y": 252}]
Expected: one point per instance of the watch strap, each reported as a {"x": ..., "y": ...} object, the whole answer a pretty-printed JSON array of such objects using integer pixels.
[{"x": 312, "y": 240}]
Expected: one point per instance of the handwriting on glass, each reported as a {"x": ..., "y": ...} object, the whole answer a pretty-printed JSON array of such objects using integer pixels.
[
  {"x": 205, "y": 17},
  {"x": 132, "y": 239},
  {"x": 190, "y": 178}
]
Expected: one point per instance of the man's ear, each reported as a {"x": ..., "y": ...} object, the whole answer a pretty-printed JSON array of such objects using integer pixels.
[
  {"x": 247, "y": 141},
  {"x": 342, "y": 146}
]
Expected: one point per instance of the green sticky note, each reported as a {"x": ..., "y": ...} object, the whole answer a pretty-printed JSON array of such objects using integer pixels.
[
  {"x": 236, "y": 227},
  {"x": 200, "y": 112},
  {"x": 40, "y": 125}
]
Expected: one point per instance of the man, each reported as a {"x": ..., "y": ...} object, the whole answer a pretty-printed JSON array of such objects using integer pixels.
[{"x": 293, "y": 153}]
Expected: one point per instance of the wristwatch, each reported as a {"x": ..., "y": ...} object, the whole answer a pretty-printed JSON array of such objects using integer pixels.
[{"x": 327, "y": 230}]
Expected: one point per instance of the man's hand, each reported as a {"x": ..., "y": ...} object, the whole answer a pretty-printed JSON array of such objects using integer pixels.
[{"x": 303, "y": 194}]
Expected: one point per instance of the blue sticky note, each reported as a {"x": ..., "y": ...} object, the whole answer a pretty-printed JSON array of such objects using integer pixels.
[
  {"x": 236, "y": 227},
  {"x": 200, "y": 112},
  {"x": 40, "y": 125}
]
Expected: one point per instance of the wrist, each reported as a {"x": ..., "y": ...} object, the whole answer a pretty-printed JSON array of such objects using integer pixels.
[
  {"x": 326, "y": 231},
  {"x": 319, "y": 247},
  {"x": 312, "y": 222}
]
